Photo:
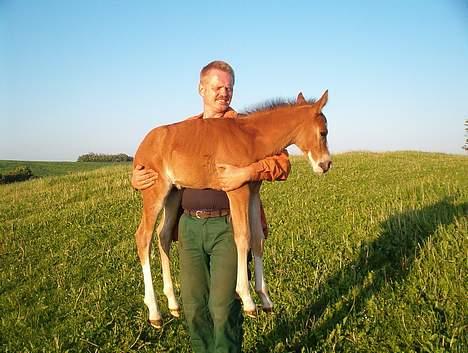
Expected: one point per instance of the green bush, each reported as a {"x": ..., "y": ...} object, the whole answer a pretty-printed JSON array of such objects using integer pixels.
[
  {"x": 98, "y": 157},
  {"x": 19, "y": 174}
]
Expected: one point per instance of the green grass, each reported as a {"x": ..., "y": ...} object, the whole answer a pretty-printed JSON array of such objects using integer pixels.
[
  {"x": 41, "y": 169},
  {"x": 371, "y": 257}
]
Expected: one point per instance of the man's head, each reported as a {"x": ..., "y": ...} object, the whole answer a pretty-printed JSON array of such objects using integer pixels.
[{"x": 216, "y": 86}]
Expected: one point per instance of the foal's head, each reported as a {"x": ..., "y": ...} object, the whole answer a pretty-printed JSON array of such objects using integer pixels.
[{"x": 312, "y": 137}]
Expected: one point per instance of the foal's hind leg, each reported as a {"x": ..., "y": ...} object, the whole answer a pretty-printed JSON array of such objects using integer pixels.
[
  {"x": 257, "y": 248},
  {"x": 165, "y": 230},
  {"x": 153, "y": 199}
]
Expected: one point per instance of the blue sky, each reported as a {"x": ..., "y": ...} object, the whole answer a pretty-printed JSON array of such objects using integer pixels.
[{"x": 96, "y": 76}]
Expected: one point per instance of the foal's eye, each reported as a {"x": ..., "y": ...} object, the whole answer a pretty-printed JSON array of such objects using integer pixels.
[{"x": 323, "y": 133}]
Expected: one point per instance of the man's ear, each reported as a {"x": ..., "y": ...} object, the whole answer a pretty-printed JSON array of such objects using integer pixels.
[{"x": 201, "y": 89}]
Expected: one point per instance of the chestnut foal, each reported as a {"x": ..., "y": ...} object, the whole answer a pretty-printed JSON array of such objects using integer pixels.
[{"x": 185, "y": 154}]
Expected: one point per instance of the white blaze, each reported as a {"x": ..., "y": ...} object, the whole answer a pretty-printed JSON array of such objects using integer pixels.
[{"x": 314, "y": 164}]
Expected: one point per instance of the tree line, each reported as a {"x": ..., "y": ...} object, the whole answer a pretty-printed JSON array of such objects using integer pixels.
[
  {"x": 100, "y": 157},
  {"x": 20, "y": 173},
  {"x": 465, "y": 146}
]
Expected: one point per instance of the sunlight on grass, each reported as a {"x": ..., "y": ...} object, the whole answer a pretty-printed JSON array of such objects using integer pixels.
[{"x": 369, "y": 258}]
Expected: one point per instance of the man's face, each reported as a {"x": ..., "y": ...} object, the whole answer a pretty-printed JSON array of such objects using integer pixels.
[{"x": 216, "y": 89}]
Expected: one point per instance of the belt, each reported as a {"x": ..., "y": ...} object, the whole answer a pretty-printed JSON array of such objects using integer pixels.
[{"x": 207, "y": 213}]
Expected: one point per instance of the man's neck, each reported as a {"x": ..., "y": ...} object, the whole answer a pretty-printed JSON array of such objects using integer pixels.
[{"x": 207, "y": 114}]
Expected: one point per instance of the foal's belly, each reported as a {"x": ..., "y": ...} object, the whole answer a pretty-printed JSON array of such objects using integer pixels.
[{"x": 197, "y": 172}]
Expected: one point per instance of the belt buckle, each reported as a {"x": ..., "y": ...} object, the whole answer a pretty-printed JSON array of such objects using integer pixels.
[{"x": 197, "y": 214}]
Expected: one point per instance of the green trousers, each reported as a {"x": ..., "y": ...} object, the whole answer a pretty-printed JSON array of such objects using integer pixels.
[{"x": 208, "y": 267}]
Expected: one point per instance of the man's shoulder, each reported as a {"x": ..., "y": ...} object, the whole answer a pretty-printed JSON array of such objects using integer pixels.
[{"x": 195, "y": 117}]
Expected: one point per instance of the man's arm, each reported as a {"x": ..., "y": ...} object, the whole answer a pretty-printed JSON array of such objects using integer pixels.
[
  {"x": 143, "y": 178},
  {"x": 272, "y": 168}
]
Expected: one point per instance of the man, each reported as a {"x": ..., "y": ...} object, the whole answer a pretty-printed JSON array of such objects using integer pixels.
[{"x": 208, "y": 257}]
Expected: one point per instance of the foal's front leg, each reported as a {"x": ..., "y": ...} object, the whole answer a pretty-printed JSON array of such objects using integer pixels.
[{"x": 239, "y": 205}]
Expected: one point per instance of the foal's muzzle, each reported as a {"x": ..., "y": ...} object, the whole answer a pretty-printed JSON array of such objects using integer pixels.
[{"x": 325, "y": 165}]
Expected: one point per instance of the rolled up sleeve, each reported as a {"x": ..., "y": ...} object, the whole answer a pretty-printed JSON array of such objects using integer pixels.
[{"x": 272, "y": 168}]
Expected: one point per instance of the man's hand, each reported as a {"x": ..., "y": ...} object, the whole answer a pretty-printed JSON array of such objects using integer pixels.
[
  {"x": 231, "y": 177},
  {"x": 143, "y": 178}
]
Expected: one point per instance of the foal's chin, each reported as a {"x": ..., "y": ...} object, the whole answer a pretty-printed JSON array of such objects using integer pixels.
[
  {"x": 318, "y": 171},
  {"x": 317, "y": 168}
]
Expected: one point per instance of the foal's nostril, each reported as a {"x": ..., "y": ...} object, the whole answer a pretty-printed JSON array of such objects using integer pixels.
[{"x": 325, "y": 165}]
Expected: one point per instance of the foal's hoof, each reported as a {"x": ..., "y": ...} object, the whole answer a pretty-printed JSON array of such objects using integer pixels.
[
  {"x": 156, "y": 323},
  {"x": 175, "y": 312},
  {"x": 267, "y": 310},
  {"x": 251, "y": 313}
]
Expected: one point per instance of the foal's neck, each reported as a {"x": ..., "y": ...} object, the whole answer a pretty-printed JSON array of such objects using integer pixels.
[{"x": 276, "y": 129}]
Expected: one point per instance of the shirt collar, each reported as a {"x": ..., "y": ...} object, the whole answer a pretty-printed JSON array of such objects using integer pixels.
[{"x": 230, "y": 113}]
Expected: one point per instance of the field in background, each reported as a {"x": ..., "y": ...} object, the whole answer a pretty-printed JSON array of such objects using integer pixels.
[
  {"x": 369, "y": 258},
  {"x": 41, "y": 169}
]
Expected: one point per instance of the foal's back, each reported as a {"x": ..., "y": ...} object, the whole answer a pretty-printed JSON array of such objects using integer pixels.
[{"x": 186, "y": 153}]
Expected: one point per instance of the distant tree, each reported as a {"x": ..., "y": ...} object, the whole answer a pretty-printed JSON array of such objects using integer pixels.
[
  {"x": 465, "y": 146},
  {"x": 20, "y": 173},
  {"x": 99, "y": 157}
]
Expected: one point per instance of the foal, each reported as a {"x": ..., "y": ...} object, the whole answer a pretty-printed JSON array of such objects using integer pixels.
[{"x": 185, "y": 154}]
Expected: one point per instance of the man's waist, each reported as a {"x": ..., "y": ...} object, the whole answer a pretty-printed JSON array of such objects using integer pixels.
[
  {"x": 204, "y": 199},
  {"x": 202, "y": 214}
]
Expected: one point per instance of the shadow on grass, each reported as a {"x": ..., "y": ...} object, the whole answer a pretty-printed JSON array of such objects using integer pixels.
[{"x": 386, "y": 260}]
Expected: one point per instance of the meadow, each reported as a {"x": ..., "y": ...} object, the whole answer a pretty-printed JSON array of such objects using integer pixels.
[
  {"x": 41, "y": 169},
  {"x": 371, "y": 257}
]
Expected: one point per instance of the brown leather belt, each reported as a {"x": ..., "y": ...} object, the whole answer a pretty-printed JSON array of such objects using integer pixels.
[{"x": 207, "y": 213}]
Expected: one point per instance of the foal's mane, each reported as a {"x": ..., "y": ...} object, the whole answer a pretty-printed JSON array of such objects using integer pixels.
[{"x": 273, "y": 104}]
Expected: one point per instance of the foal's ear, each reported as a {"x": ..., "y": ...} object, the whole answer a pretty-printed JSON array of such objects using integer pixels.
[
  {"x": 300, "y": 99},
  {"x": 322, "y": 101}
]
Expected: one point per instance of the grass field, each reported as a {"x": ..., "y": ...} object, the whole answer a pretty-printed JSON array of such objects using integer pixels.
[
  {"x": 41, "y": 169},
  {"x": 369, "y": 258}
]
